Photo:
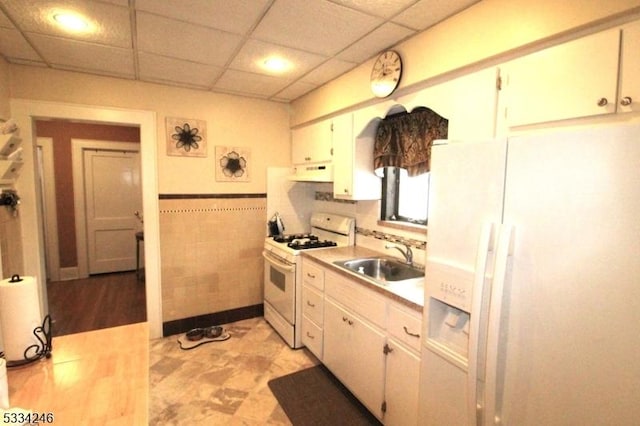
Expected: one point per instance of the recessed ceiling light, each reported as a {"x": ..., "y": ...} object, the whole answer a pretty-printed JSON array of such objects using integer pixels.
[
  {"x": 71, "y": 21},
  {"x": 276, "y": 64}
]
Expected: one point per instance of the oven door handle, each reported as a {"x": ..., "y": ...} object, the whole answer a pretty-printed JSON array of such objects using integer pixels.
[{"x": 275, "y": 261}]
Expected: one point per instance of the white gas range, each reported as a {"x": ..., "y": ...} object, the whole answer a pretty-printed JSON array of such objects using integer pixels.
[{"x": 283, "y": 270}]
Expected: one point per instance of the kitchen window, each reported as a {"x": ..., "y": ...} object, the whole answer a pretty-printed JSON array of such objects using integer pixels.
[
  {"x": 401, "y": 156},
  {"x": 404, "y": 198}
]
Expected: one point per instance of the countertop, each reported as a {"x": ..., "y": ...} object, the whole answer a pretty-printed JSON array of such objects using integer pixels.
[
  {"x": 408, "y": 294},
  {"x": 96, "y": 378}
]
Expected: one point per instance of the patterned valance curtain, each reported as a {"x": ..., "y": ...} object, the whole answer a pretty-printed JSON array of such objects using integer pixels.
[{"x": 404, "y": 140}]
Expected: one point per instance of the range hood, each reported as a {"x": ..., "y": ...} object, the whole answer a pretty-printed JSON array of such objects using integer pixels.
[{"x": 321, "y": 172}]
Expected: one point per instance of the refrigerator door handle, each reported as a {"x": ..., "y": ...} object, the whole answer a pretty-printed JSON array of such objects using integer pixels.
[
  {"x": 479, "y": 306},
  {"x": 504, "y": 256}
]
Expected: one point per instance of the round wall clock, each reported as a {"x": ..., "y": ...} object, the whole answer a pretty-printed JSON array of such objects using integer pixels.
[{"x": 386, "y": 73}]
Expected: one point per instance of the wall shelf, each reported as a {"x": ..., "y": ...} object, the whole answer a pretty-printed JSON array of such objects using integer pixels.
[
  {"x": 10, "y": 158},
  {"x": 9, "y": 142}
]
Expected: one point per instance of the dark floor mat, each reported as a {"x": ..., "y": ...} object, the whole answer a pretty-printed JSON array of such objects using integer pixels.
[{"x": 315, "y": 397}]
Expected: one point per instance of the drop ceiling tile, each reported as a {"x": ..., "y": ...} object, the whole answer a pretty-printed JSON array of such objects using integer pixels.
[
  {"x": 237, "y": 16},
  {"x": 319, "y": 26},
  {"x": 294, "y": 91},
  {"x": 110, "y": 23},
  {"x": 254, "y": 52},
  {"x": 381, "y": 38},
  {"x": 176, "y": 39},
  {"x": 14, "y": 46},
  {"x": 169, "y": 70},
  {"x": 427, "y": 13},
  {"x": 255, "y": 84},
  {"x": 328, "y": 71},
  {"x": 385, "y": 9},
  {"x": 190, "y": 42},
  {"x": 77, "y": 55}
]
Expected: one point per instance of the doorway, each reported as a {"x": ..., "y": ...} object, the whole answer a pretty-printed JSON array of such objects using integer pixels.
[
  {"x": 85, "y": 171},
  {"x": 26, "y": 112},
  {"x": 100, "y": 290}
]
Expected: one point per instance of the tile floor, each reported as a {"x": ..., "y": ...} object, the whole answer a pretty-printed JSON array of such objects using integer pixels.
[{"x": 222, "y": 382}]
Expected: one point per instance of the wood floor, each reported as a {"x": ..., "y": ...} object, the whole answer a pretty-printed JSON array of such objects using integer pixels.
[{"x": 97, "y": 302}]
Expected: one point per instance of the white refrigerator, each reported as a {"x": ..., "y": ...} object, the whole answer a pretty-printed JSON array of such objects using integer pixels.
[{"x": 532, "y": 291}]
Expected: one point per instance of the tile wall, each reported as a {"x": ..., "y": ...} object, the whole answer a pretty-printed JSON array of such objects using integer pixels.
[
  {"x": 292, "y": 200},
  {"x": 211, "y": 253},
  {"x": 295, "y": 201},
  {"x": 369, "y": 233}
]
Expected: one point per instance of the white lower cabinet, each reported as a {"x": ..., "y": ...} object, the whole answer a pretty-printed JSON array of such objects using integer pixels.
[
  {"x": 401, "y": 385},
  {"x": 312, "y": 320},
  {"x": 353, "y": 351},
  {"x": 370, "y": 342},
  {"x": 313, "y": 307}
]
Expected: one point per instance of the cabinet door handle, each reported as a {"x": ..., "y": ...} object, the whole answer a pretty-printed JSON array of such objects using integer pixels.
[
  {"x": 602, "y": 102},
  {"x": 410, "y": 333},
  {"x": 310, "y": 336},
  {"x": 310, "y": 275},
  {"x": 347, "y": 320},
  {"x": 626, "y": 101},
  {"x": 310, "y": 304}
]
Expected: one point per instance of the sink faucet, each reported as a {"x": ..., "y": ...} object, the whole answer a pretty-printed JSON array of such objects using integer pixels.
[{"x": 408, "y": 254}]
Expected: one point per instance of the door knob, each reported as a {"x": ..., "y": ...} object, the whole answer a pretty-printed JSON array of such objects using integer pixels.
[
  {"x": 602, "y": 102},
  {"x": 626, "y": 101}
]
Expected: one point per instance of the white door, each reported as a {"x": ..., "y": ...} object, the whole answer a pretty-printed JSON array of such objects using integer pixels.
[{"x": 112, "y": 194}]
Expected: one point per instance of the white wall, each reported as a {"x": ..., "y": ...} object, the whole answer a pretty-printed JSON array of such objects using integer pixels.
[
  {"x": 231, "y": 121},
  {"x": 4, "y": 89}
]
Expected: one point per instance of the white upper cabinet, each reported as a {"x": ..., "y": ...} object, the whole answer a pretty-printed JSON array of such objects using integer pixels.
[
  {"x": 575, "y": 79},
  {"x": 353, "y": 176},
  {"x": 468, "y": 102},
  {"x": 311, "y": 143},
  {"x": 629, "y": 95}
]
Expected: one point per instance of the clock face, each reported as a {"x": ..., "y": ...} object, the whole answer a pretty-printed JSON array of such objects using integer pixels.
[{"x": 386, "y": 73}]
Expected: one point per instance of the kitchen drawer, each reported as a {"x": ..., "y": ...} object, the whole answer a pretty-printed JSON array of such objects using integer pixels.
[
  {"x": 356, "y": 297},
  {"x": 312, "y": 274},
  {"x": 312, "y": 304},
  {"x": 405, "y": 326},
  {"x": 312, "y": 337}
]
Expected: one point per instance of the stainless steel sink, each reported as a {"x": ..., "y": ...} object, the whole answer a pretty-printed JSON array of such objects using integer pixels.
[{"x": 381, "y": 269}]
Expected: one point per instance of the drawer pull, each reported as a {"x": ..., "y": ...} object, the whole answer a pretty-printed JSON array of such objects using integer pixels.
[
  {"x": 310, "y": 275},
  {"x": 310, "y": 304},
  {"x": 409, "y": 333},
  {"x": 310, "y": 336}
]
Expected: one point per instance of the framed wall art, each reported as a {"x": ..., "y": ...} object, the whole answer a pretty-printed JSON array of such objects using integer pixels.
[
  {"x": 232, "y": 164},
  {"x": 186, "y": 137}
]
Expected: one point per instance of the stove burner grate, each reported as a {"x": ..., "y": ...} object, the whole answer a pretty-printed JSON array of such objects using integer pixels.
[
  {"x": 292, "y": 237},
  {"x": 304, "y": 244}
]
